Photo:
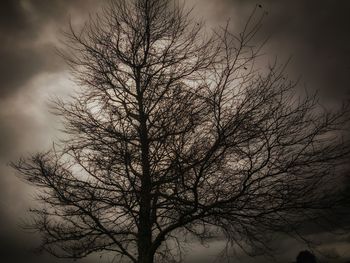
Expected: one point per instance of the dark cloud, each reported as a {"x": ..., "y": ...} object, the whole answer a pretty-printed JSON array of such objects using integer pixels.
[
  {"x": 315, "y": 34},
  {"x": 19, "y": 250},
  {"x": 25, "y": 50},
  {"x": 18, "y": 65},
  {"x": 20, "y": 59}
]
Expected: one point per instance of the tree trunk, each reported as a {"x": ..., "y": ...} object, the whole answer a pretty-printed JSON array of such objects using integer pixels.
[{"x": 145, "y": 254}]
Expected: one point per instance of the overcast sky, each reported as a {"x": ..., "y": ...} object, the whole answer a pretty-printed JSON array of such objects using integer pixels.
[{"x": 314, "y": 33}]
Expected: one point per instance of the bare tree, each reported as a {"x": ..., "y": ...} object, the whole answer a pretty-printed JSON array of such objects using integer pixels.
[{"x": 175, "y": 131}]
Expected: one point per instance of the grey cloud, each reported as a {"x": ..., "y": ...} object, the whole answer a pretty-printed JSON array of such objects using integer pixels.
[{"x": 25, "y": 52}]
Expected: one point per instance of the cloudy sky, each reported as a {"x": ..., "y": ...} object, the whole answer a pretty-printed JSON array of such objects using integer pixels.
[{"x": 314, "y": 33}]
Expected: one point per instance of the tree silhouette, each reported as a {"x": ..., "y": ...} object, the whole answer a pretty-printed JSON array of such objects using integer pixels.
[
  {"x": 175, "y": 131},
  {"x": 306, "y": 256}
]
